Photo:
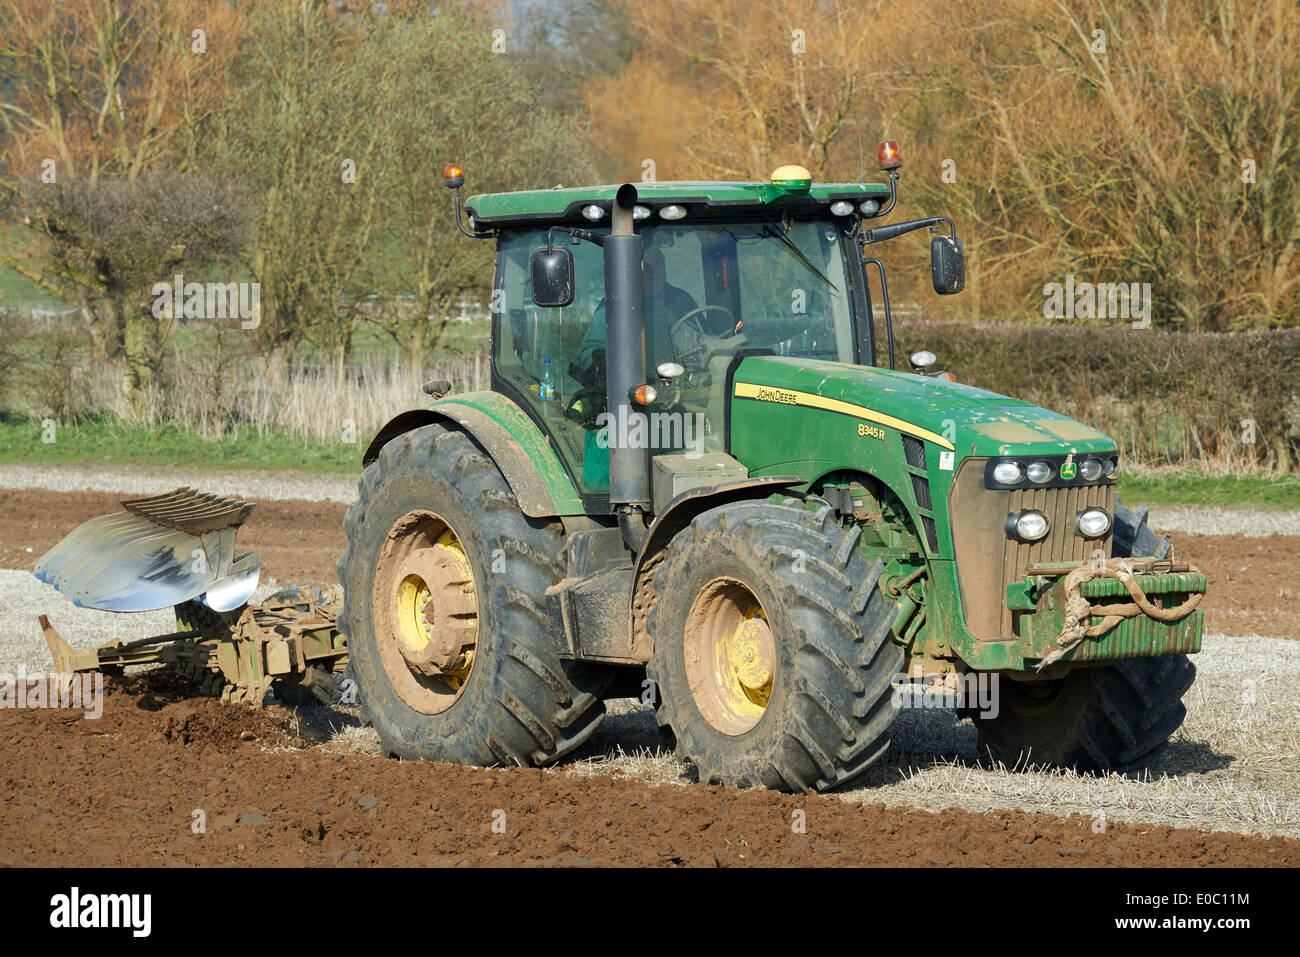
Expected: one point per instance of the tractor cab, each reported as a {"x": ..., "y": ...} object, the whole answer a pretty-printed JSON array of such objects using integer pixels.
[
  {"x": 726, "y": 271},
  {"x": 716, "y": 289}
]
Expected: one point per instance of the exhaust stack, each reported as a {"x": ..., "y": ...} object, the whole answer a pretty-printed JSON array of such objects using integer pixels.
[{"x": 629, "y": 469}]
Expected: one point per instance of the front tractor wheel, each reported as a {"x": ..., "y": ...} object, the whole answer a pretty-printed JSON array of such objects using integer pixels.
[
  {"x": 773, "y": 655},
  {"x": 1114, "y": 717},
  {"x": 444, "y": 582}
]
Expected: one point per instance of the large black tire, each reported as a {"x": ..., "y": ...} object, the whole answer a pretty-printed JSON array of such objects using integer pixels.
[
  {"x": 829, "y": 709},
  {"x": 520, "y": 704},
  {"x": 1114, "y": 717}
]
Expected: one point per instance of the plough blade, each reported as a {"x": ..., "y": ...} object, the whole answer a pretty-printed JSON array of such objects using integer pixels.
[
  {"x": 175, "y": 548},
  {"x": 165, "y": 550}
]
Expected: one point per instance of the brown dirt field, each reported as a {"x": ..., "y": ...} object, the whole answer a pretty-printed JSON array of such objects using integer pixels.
[
  {"x": 122, "y": 790},
  {"x": 1254, "y": 582}
]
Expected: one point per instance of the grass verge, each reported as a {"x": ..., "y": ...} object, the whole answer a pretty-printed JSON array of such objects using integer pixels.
[
  {"x": 1186, "y": 487},
  {"x": 92, "y": 443}
]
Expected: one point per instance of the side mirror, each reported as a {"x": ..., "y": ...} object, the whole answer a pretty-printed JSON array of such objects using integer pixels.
[
  {"x": 947, "y": 265},
  {"x": 551, "y": 268}
]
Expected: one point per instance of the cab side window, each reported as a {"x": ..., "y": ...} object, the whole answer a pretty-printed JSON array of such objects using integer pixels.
[{"x": 537, "y": 350}]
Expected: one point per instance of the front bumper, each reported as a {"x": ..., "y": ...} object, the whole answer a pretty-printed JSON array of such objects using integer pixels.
[{"x": 1037, "y": 604}]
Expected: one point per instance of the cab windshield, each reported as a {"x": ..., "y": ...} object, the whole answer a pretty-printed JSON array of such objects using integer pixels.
[{"x": 712, "y": 290}]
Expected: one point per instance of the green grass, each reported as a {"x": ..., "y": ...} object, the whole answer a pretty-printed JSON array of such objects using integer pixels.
[
  {"x": 110, "y": 443},
  {"x": 1193, "y": 488},
  {"x": 17, "y": 291}
]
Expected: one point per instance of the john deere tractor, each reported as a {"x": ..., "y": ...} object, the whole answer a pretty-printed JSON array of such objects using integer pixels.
[{"x": 698, "y": 478}]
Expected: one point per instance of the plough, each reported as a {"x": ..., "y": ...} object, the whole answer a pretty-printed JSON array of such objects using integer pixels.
[{"x": 178, "y": 550}]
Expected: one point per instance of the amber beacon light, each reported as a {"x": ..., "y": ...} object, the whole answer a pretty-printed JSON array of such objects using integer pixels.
[{"x": 889, "y": 156}]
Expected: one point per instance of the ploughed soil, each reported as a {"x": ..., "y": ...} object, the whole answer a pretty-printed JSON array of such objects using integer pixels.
[
  {"x": 165, "y": 779},
  {"x": 1254, "y": 583}
]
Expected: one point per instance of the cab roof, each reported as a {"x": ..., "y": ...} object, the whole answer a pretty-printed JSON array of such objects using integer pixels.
[{"x": 701, "y": 199}]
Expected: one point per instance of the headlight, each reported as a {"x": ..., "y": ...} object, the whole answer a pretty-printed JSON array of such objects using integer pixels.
[
  {"x": 640, "y": 212},
  {"x": 593, "y": 212},
  {"x": 1027, "y": 526},
  {"x": 1038, "y": 472},
  {"x": 1090, "y": 469},
  {"x": 1007, "y": 473},
  {"x": 1110, "y": 467},
  {"x": 1093, "y": 523},
  {"x": 841, "y": 207},
  {"x": 672, "y": 211},
  {"x": 870, "y": 207}
]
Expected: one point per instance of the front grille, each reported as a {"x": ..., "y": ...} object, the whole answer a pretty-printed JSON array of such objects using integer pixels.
[
  {"x": 1061, "y": 506},
  {"x": 987, "y": 561}
]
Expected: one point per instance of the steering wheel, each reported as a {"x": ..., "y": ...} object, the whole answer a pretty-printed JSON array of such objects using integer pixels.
[
  {"x": 694, "y": 314},
  {"x": 697, "y": 311}
]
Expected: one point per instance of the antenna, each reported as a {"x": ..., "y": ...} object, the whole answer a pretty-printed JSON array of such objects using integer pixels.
[{"x": 862, "y": 158}]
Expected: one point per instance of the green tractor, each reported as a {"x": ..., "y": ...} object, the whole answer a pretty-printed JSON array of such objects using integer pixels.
[{"x": 698, "y": 478}]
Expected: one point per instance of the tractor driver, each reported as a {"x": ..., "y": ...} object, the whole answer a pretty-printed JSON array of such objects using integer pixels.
[{"x": 664, "y": 305}]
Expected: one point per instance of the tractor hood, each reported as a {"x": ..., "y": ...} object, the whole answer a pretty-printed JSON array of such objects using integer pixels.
[{"x": 968, "y": 420}]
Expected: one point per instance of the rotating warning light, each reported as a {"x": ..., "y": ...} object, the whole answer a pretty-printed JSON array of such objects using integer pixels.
[{"x": 889, "y": 156}]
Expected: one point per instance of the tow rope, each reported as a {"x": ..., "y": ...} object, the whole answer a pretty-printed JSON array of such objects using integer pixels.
[{"x": 1078, "y": 610}]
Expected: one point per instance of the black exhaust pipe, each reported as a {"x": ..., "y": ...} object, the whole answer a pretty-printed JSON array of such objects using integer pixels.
[{"x": 629, "y": 468}]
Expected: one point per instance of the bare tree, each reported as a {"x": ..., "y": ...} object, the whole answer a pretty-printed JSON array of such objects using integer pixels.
[
  {"x": 110, "y": 243},
  {"x": 101, "y": 92}
]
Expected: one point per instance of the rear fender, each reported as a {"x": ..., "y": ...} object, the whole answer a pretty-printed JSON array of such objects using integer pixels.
[{"x": 530, "y": 466}]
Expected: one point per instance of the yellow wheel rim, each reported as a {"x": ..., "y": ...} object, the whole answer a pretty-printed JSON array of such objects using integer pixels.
[
  {"x": 426, "y": 606},
  {"x": 748, "y": 657},
  {"x": 730, "y": 656}
]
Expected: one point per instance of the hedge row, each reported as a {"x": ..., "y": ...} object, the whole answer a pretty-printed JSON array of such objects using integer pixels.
[{"x": 1228, "y": 400}]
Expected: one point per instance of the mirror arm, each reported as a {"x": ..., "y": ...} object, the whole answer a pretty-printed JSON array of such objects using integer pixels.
[
  {"x": 576, "y": 233},
  {"x": 455, "y": 200},
  {"x": 884, "y": 292},
  {"x": 879, "y": 234}
]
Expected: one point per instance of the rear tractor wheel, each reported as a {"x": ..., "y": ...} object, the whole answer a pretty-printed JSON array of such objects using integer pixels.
[{"x": 444, "y": 582}]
